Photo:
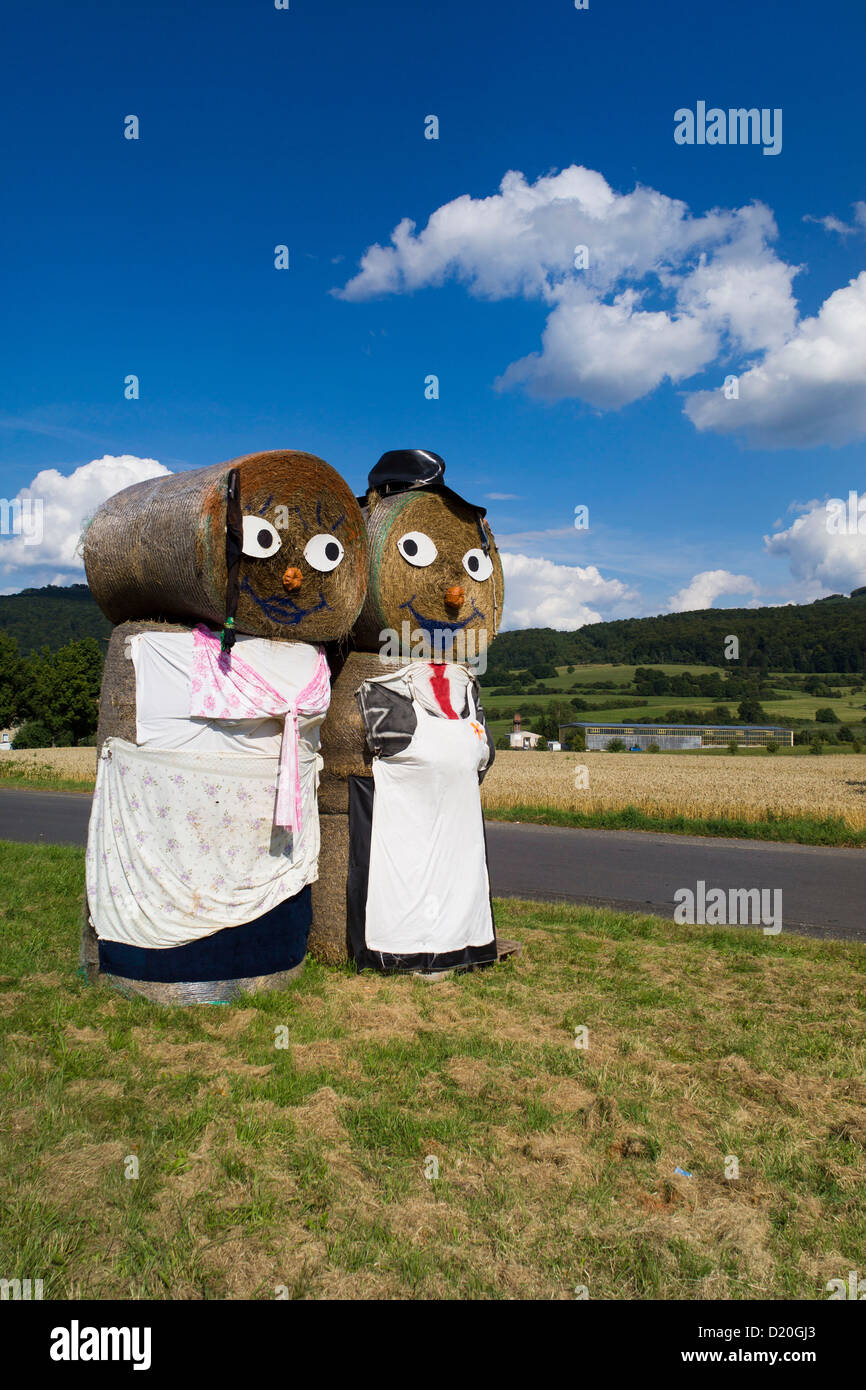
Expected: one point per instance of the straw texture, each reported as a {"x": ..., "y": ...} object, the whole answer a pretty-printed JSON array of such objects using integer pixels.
[{"x": 156, "y": 550}]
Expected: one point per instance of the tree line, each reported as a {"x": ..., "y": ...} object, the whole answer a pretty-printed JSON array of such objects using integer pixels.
[
  {"x": 51, "y": 696},
  {"x": 823, "y": 637}
]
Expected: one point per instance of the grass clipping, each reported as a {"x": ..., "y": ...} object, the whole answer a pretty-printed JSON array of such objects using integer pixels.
[{"x": 375, "y": 1137}]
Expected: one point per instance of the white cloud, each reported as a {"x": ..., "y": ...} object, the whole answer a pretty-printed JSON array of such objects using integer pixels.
[
  {"x": 704, "y": 588},
  {"x": 663, "y": 295},
  {"x": 811, "y": 390},
  {"x": 502, "y": 496},
  {"x": 539, "y": 593},
  {"x": 819, "y": 556},
  {"x": 835, "y": 224},
  {"x": 67, "y": 501}
]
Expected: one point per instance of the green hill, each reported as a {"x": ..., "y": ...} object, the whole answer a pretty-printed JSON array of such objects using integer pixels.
[
  {"x": 51, "y": 617},
  {"x": 828, "y": 635}
]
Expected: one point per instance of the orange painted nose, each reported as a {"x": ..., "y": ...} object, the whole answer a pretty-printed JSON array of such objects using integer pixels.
[
  {"x": 454, "y": 596},
  {"x": 292, "y": 579}
]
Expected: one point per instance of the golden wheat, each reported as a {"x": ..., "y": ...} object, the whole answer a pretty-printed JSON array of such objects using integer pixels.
[
  {"x": 660, "y": 784},
  {"x": 42, "y": 765}
]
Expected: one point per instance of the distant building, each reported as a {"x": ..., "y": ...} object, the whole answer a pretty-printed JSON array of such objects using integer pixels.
[
  {"x": 677, "y": 736},
  {"x": 522, "y": 738}
]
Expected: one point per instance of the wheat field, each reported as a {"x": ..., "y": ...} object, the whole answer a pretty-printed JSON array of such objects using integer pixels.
[
  {"x": 42, "y": 766},
  {"x": 664, "y": 784},
  {"x": 660, "y": 784}
]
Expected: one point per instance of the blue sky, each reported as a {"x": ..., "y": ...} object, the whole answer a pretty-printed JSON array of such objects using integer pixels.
[{"x": 261, "y": 127}]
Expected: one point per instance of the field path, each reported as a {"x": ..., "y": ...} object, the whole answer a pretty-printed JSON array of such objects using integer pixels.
[{"x": 824, "y": 890}]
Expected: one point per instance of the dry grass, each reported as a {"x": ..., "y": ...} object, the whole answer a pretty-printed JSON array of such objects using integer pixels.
[
  {"x": 668, "y": 784},
  {"x": 308, "y": 1168}
]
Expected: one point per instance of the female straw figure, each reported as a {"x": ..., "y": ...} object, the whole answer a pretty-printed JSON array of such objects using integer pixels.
[{"x": 204, "y": 835}]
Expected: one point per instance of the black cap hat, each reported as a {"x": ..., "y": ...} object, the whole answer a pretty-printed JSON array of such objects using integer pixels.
[{"x": 405, "y": 470}]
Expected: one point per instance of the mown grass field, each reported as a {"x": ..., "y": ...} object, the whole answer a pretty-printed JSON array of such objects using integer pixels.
[{"x": 262, "y": 1168}]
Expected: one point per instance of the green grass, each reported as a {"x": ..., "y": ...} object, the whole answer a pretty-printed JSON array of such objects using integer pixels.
[
  {"x": 45, "y": 781},
  {"x": 304, "y": 1168},
  {"x": 801, "y": 830}
]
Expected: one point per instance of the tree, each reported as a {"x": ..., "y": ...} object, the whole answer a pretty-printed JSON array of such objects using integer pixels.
[
  {"x": 11, "y": 679},
  {"x": 826, "y": 716},
  {"x": 751, "y": 711},
  {"x": 62, "y": 689}
]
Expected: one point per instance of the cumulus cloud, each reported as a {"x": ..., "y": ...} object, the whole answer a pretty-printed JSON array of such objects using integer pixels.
[
  {"x": 822, "y": 545},
  {"x": 704, "y": 588},
  {"x": 810, "y": 390},
  {"x": 65, "y": 502},
  {"x": 639, "y": 291},
  {"x": 539, "y": 593}
]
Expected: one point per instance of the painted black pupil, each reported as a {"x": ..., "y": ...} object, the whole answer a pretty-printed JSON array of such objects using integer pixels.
[
  {"x": 265, "y": 540},
  {"x": 472, "y": 562},
  {"x": 410, "y": 547},
  {"x": 332, "y": 551}
]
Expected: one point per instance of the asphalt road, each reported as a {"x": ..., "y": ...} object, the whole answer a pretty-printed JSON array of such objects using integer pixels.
[{"x": 823, "y": 890}]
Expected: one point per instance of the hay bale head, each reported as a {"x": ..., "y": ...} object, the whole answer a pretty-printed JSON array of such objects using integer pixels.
[
  {"x": 158, "y": 549},
  {"x": 429, "y": 566}
]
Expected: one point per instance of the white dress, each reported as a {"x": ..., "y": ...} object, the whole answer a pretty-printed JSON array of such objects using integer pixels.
[{"x": 427, "y": 902}]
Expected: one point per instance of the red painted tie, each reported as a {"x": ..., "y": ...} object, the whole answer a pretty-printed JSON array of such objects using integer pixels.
[{"x": 439, "y": 686}]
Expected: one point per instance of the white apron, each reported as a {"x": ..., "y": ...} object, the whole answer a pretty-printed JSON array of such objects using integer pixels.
[{"x": 428, "y": 890}]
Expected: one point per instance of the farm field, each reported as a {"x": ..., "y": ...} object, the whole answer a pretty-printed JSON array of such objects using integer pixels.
[
  {"x": 46, "y": 768},
  {"x": 307, "y": 1167},
  {"x": 668, "y": 784},
  {"x": 610, "y": 707}
]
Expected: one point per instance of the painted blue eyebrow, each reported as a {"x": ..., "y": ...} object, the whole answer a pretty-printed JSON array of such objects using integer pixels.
[
  {"x": 264, "y": 508},
  {"x": 319, "y": 521}
]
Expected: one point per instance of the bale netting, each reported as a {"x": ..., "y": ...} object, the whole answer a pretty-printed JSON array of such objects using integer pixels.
[
  {"x": 328, "y": 940},
  {"x": 444, "y": 595},
  {"x": 157, "y": 550},
  {"x": 202, "y": 992}
]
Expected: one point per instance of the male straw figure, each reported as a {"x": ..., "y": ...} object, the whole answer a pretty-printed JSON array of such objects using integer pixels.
[
  {"x": 405, "y": 743},
  {"x": 204, "y": 835}
]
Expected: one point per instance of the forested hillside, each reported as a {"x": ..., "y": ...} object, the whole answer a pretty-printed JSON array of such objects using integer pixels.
[
  {"x": 51, "y": 617},
  {"x": 828, "y": 635}
]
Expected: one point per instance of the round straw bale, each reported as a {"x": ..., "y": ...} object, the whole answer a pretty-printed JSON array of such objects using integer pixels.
[
  {"x": 158, "y": 549},
  {"x": 327, "y": 940},
  {"x": 343, "y": 746},
  {"x": 442, "y": 596}
]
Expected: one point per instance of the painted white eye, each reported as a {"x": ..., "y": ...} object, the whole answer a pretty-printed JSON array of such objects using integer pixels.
[
  {"x": 477, "y": 564},
  {"x": 417, "y": 548},
  {"x": 261, "y": 539},
  {"x": 323, "y": 552}
]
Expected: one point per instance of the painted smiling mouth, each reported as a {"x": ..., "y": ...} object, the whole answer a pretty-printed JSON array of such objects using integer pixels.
[
  {"x": 282, "y": 609},
  {"x": 431, "y": 625}
]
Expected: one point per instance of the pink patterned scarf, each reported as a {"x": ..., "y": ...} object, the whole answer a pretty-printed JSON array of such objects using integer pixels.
[{"x": 224, "y": 686}]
